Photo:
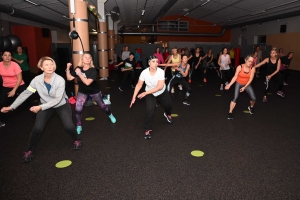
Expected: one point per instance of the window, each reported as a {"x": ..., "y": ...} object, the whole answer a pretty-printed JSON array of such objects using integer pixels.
[{"x": 172, "y": 26}]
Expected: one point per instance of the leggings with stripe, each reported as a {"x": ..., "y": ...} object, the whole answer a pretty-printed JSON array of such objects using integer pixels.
[
  {"x": 248, "y": 89},
  {"x": 80, "y": 100}
]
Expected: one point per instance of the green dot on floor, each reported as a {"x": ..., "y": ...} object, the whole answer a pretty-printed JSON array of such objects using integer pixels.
[
  {"x": 246, "y": 111},
  {"x": 89, "y": 118},
  {"x": 174, "y": 115},
  {"x": 197, "y": 153},
  {"x": 63, "y": 164},
  {"x": 217, "y": 95}
]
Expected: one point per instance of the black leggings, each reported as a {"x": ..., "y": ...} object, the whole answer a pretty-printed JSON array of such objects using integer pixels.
[
  {"x": 248, "y": 89},
  {"x": 65, "y": 114},
  {"x": 225, "y": 76},
  {"x": 4, "y": 99},
  {"x": 181, "y": 81},
  {"x": 278, "y": 79},
  {"x": 165, "y": 101},
  {"x": 125, "y": 76}
]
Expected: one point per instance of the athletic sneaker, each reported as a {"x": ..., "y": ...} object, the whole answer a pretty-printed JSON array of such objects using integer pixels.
[
  {"x": 180, "y": 87},
  {"x": 2, "y": 124},
  {"x": 79, "y": 129},
  {"x": 169, "y": 118},
  {"x": 185, "y": 102},
  {"x": 172, "y": 91},
  {"x": 28, "y": 155},
  {"x": 204, "y": 80},
  {"x": 132, "y": 86},
  {"x": 230, "y": 116},
  {"x": 221, "y": 88},
  {"x": 251, "y": 110},
  {"x": 77, "y": 144},
  {"x": 281, "y": 94},
  {"x": 121, "y": 89},
  {"x": 112, "y": 118},
  {"x": 285, "y": 83},
  {"x": 147, "y": 134},
  {"x": 265, "y": 100}
]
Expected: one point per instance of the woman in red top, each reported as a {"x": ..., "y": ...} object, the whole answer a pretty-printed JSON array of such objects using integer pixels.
[{"x": 243, "y": 77}]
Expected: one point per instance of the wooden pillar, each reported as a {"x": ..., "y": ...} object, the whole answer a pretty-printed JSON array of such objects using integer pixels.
[{"x": 102, "y": 51}]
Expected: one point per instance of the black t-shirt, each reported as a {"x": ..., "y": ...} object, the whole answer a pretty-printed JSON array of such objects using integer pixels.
[
  {"x": 285, "y": 60},
  {"x": 128, "y": 64},
  {"x": 91, "y": 73}
]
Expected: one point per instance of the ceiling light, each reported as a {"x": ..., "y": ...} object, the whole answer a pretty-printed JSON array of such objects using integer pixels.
[
  {"x": 143, "y": 12},
  {"x": 28, "y": 1},
  {"x": 178, "y": 19},
  {"x": 205, "y": 2},
  {"x": 138, "y": 26},
  {"x": 186, "y": 14},
  {"x": 185, "y": 9},
  {"x": 140, "y": 21}
]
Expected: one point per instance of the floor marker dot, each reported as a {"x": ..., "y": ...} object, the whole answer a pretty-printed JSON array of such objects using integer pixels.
[
  {"x": 63, "y": 164},
  {"x": 174, "y": 115},
  {"x": 247, "y": 111},
  {"x": 107, "y": 87},
  {"x": 90, "y": 118},
  {"x": 197, "y": 153},
  {"x": 269, "y": 93},
  {"x": 35, "y": 100},
  {"x": 217, "y": 95}
]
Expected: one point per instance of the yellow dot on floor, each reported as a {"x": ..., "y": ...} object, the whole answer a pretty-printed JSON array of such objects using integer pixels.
[
  {"x": 197, "y": 153},
  {"x": 174, "y": 115},
  {"x": 246, "y": 111},
  {"x": 89, "y": 118},
  {"x": 217, "y": 95},
  {"x": 269, "y": 93},
  {"x": 35, "y": 100},
  {"x": 107, "y": 87},
  {"x": 63, "y": 164}
]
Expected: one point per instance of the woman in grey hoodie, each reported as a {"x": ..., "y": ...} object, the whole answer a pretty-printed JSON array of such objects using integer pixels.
[{"x": 51, "y": 89}]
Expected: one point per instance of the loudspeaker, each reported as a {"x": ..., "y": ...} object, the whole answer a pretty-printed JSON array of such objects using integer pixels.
[
  {"x": 45, "y": 32},
  {"x": 283, "y": 28}
]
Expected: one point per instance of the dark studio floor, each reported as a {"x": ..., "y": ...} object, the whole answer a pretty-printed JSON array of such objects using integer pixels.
[{"x": 250, "y": 157}]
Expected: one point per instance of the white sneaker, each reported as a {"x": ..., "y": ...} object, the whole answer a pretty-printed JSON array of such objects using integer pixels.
[
  {"x": 172, "y": 91},
  {"x": 221, "y": 88},
  {"x": 180, "y": 87}
]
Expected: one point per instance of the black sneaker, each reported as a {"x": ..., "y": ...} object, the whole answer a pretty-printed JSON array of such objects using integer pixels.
[
  {"x": 121, "y": 89},
  {"x": 251, "y": 110},
  {"x": 2, "y": 124},
  {"x": 230, "y": 116},
  {"x": 185, "y": 102},
  {"x": 28, "y": 155},
  {"x": 77, "y": 144},
  {"x": 169, "y": 118},
  {"x": 147, "y": 134}
]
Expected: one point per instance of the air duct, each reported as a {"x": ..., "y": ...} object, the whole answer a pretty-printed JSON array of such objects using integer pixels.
[
  {"x": 14, "y": 12},
  {"x": 177, "y": 34}
]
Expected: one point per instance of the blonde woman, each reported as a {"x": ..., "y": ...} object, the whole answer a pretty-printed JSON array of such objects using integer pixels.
[
  {"x": 51, "y": 89},
  {"x": 86, "y": 76},
  {"x": 174, "y": 58}
]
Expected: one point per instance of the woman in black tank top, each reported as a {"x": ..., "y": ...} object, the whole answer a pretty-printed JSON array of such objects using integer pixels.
[{"x": 273, "y": 67}]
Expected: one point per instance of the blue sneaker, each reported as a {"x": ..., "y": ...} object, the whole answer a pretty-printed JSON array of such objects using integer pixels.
[
  {"x": 112, "y": 118},
  {"x": 79, "y": 129}
]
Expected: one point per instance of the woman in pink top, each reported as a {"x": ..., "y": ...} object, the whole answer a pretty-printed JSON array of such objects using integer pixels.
[
  {"x": 11, "y": 74},
  {"x": 159, "y": 56}
]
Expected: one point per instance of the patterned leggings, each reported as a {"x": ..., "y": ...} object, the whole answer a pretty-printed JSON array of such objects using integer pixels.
[{"x": 80, "y": 100}]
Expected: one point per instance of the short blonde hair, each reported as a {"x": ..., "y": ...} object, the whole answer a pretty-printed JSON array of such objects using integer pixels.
[
  {"x": 80, "y": 64},
  {"x": 42, "y": 59}
]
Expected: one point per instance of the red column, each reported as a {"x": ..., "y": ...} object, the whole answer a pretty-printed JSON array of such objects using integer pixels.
[{"x": 237, "y": 55}]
